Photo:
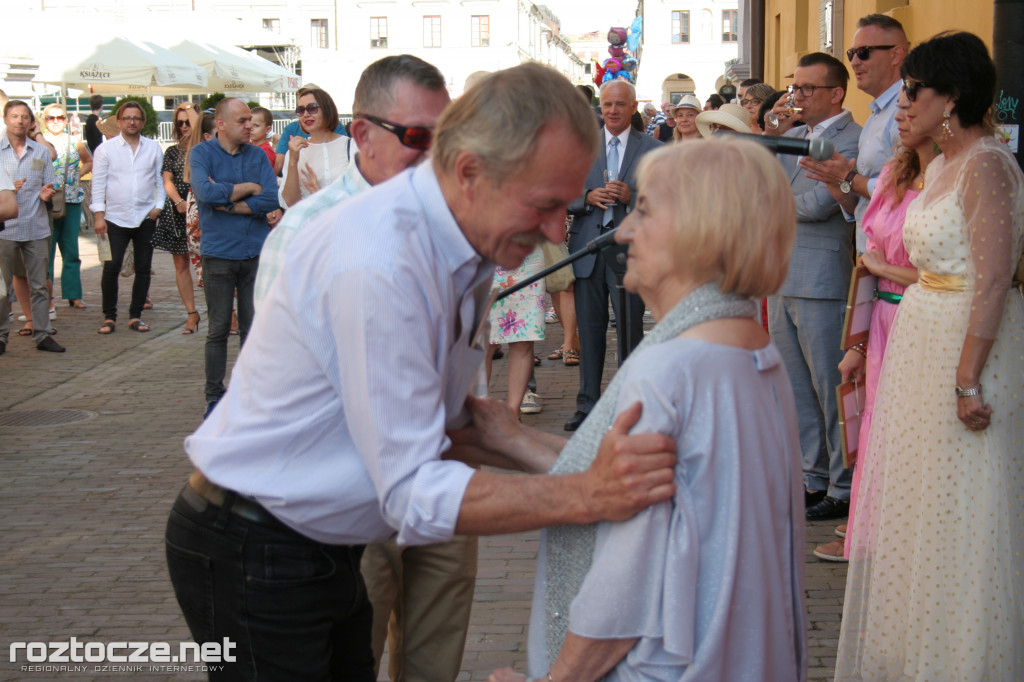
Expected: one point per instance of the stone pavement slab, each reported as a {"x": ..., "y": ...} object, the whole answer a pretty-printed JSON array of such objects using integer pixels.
[{"x": 83, "y": 505}]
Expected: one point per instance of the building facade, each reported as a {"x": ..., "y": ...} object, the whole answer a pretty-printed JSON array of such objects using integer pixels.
[
  {"x": 686, "y": 45},
  {"x": 330, "y": 42}
]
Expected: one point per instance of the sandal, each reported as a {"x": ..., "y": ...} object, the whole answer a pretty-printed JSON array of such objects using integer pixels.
[
  {"x": 77, "y": 303},
  {"x": 536, "y": 361},
  {"x": 555, "y": 354},
  {"x": 138, "y": 325},
  {"x": 571, "y": 358},
  {"x": 107, "y": 328},
  {"x": 192, "y": 330},
  {"x": 26, "y": 331}
]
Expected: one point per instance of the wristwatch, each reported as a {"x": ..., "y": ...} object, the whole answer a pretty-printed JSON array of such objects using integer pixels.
[
  {"x": 846, "y": 185},
  {"x": 967, "y": 392}
]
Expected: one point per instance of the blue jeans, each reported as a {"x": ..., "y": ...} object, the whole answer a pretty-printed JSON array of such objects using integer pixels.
[
  {"x": 294, "y": 608},
  {"x": 221, "y": 279}
]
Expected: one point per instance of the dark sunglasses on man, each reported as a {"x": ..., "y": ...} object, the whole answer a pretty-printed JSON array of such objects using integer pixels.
[
  {"x": 413, "y": 137},
  {"x": 864, "y": 52}
]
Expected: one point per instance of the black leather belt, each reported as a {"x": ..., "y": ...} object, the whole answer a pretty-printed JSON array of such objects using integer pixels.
[{"x": 201, "y": 492}]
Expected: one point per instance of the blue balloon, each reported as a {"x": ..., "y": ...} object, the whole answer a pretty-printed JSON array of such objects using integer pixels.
[
  {"x": 608, "y": 76},
  {"x": 624, "y": 75}
]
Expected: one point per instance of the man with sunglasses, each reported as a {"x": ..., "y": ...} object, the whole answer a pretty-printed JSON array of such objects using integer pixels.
[
  {"x": 805, "y": 318},
  {"x": 423, "y": 594},
  {"x": 347, "y": 409},
  {"x": 879, "y": 46}
]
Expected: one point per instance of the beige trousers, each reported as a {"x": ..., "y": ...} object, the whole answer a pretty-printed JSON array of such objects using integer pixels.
[{"x": 421, "y": 600}]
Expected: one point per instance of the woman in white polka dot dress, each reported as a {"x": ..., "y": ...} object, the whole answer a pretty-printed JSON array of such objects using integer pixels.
[{"x": 935, "y": 589}]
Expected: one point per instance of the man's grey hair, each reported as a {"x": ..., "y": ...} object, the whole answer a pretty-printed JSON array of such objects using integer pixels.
[
  {"x": 649, "y": 108},
  {"x": 375, "y": 92},
  {"x": 630, "y": 86},
  {"x": 500, "y": 118},
  {"x": 881, "y": 21}
]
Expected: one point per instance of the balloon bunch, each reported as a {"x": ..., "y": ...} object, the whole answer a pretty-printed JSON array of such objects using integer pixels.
[{"x": 621, "y": 64}]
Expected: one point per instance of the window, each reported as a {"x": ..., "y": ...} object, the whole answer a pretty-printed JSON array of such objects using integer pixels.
[
  {"x": 480, "y": 30},
  {"x": 272, "y": 25},
  {"x": 680, "y": 26},
  {"x": 378, "y": 31},
  {"x": 431, "y": 31},
  {"x": 729, "y": 29},
  {"x": 318, "y": 33}
]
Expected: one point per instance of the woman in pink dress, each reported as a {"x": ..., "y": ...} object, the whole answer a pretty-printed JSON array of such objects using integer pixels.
[{"x": 899, "y": 183}]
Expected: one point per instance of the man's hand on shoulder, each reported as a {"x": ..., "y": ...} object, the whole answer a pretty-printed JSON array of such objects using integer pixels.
[{"x": 630, "y": 472}]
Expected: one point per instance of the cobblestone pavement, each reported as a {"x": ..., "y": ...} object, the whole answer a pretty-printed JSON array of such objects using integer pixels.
[{"x": 83, "y": 505}]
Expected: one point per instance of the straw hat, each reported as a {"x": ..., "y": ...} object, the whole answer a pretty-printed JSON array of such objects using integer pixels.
[
  {"x": 686, "y": 102},
  {"x": 108, "y": 126},
  {"x": 730, "y": 115}
]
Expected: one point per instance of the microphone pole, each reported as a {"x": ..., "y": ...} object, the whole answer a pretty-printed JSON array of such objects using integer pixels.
[
  {"x": 604, "y": 241},
  {"x": 594, "y": 246}
]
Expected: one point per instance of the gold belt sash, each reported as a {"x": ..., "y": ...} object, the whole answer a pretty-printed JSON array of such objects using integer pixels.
[{"x": 944, "y": 284}]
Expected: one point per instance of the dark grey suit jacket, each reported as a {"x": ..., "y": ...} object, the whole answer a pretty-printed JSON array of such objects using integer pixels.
[
  {"x": 587, "y": 225},
  {"x": 822, "y": 259}
]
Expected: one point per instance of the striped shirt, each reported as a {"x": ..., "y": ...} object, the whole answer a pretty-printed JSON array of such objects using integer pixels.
[
  {"x": 295, "y": 219},
  {"x": 36, "y": 168}
]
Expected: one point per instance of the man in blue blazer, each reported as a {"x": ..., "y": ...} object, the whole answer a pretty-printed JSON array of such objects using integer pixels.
[
  {"x": 806, "y": 317},
  {"x": 608, "y": 195}
]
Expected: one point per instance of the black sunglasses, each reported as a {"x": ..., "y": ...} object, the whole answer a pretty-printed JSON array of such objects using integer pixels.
[
  {"x": 182, "y": 122},
  {"x": 311, "y": 108},
  {"x": 911, "y": 87},
  {"x": 413, "y": 137},
  {"x": 864, "y": 52}
]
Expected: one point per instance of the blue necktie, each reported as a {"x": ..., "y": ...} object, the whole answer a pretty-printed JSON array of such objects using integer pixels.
[{"x": 613, "y": 173}]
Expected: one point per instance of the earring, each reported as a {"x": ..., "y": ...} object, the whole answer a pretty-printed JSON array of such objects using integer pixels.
[{"x": 947, "y": 132}]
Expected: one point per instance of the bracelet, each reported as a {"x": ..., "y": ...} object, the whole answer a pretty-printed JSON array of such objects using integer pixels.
[
  {"x": 860, "y": 349},
  {"x": 967, "y": 392},
  {"x": 182, "y": 201}
]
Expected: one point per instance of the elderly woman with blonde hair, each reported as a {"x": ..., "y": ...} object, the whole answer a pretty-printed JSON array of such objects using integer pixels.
[{"x": 708, "y": 585}]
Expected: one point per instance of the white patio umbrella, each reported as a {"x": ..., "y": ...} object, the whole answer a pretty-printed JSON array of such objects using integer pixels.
[
  {"x": 231, "y": 69},
  {"x": 119, "y": 65}
]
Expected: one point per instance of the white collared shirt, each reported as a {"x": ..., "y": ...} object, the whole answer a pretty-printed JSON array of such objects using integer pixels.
[
  {"x": 623, "y": 140},
  {"x": 357, "y": 362},
  {"x": 817, "y": 130},
  {"x": 127, "y": 184}
]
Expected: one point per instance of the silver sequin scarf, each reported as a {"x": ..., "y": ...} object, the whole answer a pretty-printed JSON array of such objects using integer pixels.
[{"x": 570, "y": 549}]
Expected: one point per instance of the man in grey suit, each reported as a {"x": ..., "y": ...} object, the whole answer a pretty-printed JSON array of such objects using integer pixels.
[
  {"x": 608, "y": 195},
  {"x": 806, "y": 317}
]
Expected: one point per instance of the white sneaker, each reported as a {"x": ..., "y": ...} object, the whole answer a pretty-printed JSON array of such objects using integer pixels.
[
  {"x": 530, "y": 404},
  {"x": 53, "y": 313},
  {"x": 551, "y": 317},
  {"x": 22, "y": 318}
]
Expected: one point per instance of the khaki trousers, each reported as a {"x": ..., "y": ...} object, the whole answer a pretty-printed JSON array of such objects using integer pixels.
[{"x": 421, "y": 599}]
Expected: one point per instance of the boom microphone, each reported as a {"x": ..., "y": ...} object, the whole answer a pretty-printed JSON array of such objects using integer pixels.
[{"x": 818, "y": 149}]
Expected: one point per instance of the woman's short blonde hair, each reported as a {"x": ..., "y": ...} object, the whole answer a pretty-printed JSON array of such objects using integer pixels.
[
  {"x": 50, "y": 107},
  {"x": 734, "y": 215}
]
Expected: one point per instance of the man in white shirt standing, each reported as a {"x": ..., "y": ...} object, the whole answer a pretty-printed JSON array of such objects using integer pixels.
[
  {"x": 334, "y": 430},
  {"x": 127, "y": 197}
]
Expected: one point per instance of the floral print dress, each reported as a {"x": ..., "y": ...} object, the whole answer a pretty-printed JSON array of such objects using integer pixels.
[{"x": 519, "y": 317}]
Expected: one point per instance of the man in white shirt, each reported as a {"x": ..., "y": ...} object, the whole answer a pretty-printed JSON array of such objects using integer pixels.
[
  {"x": 127, "y": 197},
  {"x": 333, "y": 431},
  {"x": 422, "y": 594}
]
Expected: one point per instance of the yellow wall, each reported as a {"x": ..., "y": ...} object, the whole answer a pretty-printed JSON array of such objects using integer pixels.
[{"x": 792, "y": 31}]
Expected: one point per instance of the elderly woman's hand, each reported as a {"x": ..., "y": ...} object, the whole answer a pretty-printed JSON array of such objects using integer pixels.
[
  {"x": 506, "y": 675},
  {"x": 852, "y": 366}
]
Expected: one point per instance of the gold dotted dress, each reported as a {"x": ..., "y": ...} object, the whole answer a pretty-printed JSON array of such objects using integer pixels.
[{"x": 935, "y": 588}]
